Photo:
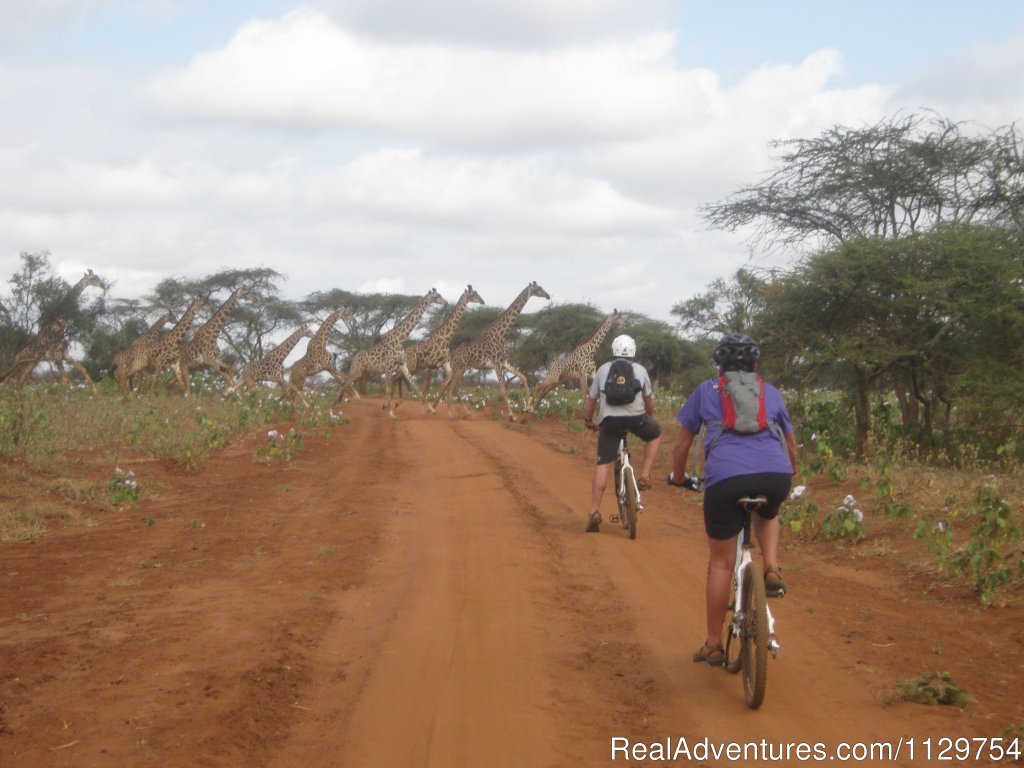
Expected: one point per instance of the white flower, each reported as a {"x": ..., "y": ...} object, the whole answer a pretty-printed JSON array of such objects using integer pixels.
[
  {"x": 797, "y": 492},
  {"x": 858, "y": 516},
  {"x": 118, "y": 471},
  {"x": 940, "y": 527},
  {"x": 849, "y": 501},
  {"x": 272, "y": 434}
]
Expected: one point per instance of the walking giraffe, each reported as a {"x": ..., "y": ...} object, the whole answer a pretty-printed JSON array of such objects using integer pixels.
[
  {"x": 435, "y": 353},
  {"x": 317, "y": 359},
  {"x": 270, "y": 367},
  {"x": 202, "y": 350},
  {"x": 50, "y": 344},
  {"x": 578, "y": 364},
  {"x": 488, "y": 352},
  {"x": 387, "y": 356},
  {"x": 167, "y": 348},
  {"x": 135, "y": 359}
]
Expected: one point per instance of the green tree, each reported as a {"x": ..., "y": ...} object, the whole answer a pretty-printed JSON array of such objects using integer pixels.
[
  {"x": 923, "y": 317},
  {"x": 726, "y": 306}
]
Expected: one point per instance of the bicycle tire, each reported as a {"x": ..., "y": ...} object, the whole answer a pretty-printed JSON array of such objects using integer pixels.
[
  {"x": 731, "y": 641},
  {"x": 755, "y": 638},
  {"x": 632, "y": 505},
  {"x": 619, "y": 501}
]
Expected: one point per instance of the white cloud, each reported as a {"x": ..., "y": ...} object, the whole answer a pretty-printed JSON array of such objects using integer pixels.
[
  {"x": 501, "y": 23},
  {"x": 983, "y": 84},
  {"x": 369, "y": 155},
  {"x": 306, "y": 71}
]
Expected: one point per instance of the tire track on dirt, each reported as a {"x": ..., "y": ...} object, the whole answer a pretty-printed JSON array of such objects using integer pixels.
[{"x": 475, "y": 640}]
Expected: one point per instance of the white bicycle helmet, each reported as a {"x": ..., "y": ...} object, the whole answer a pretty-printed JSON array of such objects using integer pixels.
[{"x": 624, "y": 346}]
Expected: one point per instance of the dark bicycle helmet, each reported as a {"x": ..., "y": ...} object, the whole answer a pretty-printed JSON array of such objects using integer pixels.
[{"x": 737, "y": 352}]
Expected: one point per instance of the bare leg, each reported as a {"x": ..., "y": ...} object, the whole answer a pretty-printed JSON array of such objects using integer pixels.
[
  {"x": 650, "y": 453},
  {"x": 601, "y": 472},
  {"x": 721, "y": 559},
  {"x": 767, "y": 533}
]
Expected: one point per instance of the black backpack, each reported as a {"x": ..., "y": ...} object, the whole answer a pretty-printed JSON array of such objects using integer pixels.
[{"x": 622, "y": 386}]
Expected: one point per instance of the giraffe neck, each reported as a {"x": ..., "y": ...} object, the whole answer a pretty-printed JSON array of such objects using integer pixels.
[
  {"x": 323, "y": 333},
  {"x": 280, "y": 352},
  {"x": 404, "y": 328},
  {"x": 446, "y": 330},
  {"x": 499, "y": 327},
  {"x": 590, "y": 345},
  {"x": 154, "y": 330},
  {"x": 181, "y": 328},
  {"x": 212, "y": 327}
]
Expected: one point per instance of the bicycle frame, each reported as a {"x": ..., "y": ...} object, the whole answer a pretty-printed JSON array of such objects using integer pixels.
[
  {"x": 625, "y": 474},
  {"x": 745, "y": 559}
]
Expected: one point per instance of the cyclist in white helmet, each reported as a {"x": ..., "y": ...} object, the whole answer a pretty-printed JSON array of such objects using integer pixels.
[{"x": 635, "y": 415}]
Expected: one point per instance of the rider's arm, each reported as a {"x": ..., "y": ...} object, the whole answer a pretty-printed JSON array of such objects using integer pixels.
[
  {"x": 682, "y": 450},
  {"x": 791, "y": 448},
  {"x": 588, "y": 410},
  {"x": 649, "y": 405}
]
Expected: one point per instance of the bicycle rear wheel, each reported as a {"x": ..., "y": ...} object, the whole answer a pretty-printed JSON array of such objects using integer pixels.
[
  {"x": 755, "y": 637},
  {"x": 632, "y": 505},
  {"x": 619, "y": 497}
]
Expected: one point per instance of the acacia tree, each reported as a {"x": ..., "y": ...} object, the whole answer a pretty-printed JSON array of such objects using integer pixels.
[{"x": 904, "y": 174}]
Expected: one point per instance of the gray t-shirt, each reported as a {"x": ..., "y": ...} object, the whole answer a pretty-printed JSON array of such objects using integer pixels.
[{"x": 636, "y": 408}]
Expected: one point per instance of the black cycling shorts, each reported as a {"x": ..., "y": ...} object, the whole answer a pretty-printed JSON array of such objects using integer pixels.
[
  {"x": 723, "y": 518},
  {"x": 614, "y": 428}
]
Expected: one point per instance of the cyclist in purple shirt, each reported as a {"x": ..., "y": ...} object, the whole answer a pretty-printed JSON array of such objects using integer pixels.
[{"x": 736, "y": 465}]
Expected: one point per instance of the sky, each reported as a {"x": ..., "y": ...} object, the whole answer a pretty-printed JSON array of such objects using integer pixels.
[{"x": 398, "y": 145}]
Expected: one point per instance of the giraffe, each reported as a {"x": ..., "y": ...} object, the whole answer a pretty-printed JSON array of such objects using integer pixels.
[
  {"x": 317, "y": 359},
  {"x": 202, "y": 350},
  {"x": 435, "y": 352},
  {"x": 270, "y": 367},
  {"x": 577, "y": 364},
  {"x": 166, "y": 348},
  {"x": 135, "y": 358},
  {"x": 488, "y": 352},
  {"x": 387, "y": 356},
  {"x": 50, "y": 345}
]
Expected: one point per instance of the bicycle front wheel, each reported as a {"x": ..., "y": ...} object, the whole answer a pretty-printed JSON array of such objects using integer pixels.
[
  {"x": 632, "y": 505},
  {"x": 755, "y": 637}
]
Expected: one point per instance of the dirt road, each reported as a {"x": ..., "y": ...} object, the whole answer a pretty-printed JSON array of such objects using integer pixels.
[{"x": 417, "y": 592}]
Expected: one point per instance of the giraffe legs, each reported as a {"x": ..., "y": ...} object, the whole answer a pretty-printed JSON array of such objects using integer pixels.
[
  {"x": 516, "y": 373},
  {"x": 81, "y": 369},
  {"x": 402, "y": 374}
]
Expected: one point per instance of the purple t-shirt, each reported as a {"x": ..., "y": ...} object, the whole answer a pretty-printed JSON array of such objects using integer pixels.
[{"x": 733, "y": 453}]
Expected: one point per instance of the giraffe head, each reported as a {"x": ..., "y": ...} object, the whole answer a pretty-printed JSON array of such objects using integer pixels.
[
  {"x": 433, "y": 297},
  {"x": 535, "y": 290},
  {"x": 471, "y": 296},
  {"x": 90, "y": 278},
  {"x": 347, "y": 316}
]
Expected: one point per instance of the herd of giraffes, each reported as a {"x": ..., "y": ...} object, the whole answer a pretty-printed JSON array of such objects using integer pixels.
[{"x": 158, "y": 350}]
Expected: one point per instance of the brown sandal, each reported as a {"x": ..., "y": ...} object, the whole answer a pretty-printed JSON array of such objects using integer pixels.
[
  {"x": 643, "y": 483},
  {"x": 712, "y": 655}
]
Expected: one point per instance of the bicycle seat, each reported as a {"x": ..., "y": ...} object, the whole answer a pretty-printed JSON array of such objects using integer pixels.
[{"x": 752, "y": 502}]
